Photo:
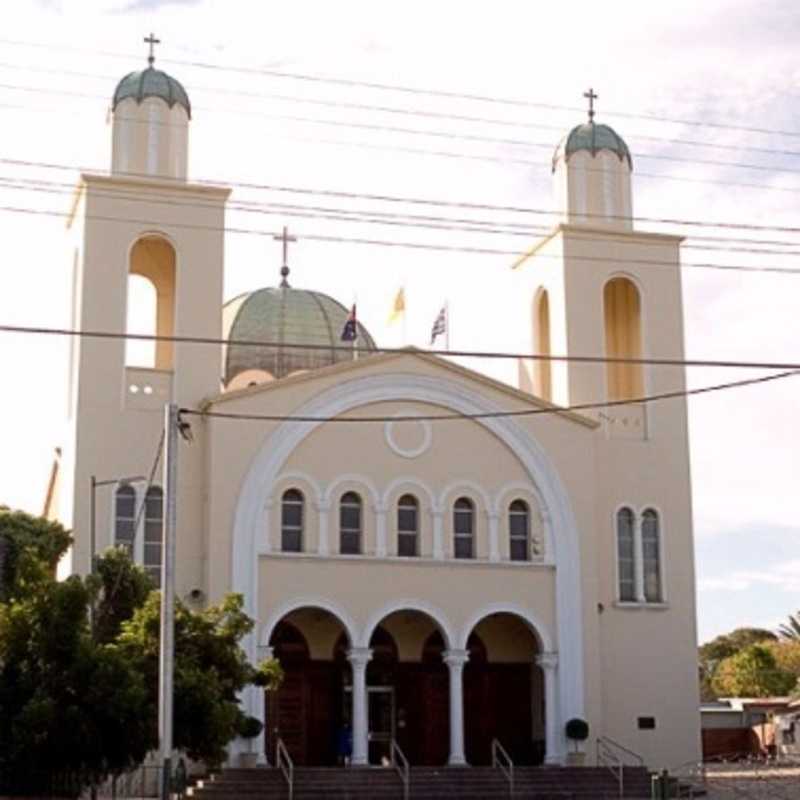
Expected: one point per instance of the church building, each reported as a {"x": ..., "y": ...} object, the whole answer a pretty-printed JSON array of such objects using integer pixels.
[{"x": 470, "y": 562}]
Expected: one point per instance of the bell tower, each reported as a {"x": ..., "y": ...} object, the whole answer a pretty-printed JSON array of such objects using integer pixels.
[
  {"x": 145, "y": 222},
  {"x": 595, "y": 286}
]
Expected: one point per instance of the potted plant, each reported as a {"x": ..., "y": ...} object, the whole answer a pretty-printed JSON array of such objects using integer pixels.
[
  {"x": 577, "y": 730},
  {"x": 249, "y": 728}
]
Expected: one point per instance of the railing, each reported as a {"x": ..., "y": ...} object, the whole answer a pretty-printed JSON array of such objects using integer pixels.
[
  {"x": 284, "y": 762},
  {"x": 614, "y": 756},
  {"x": 400, "y": 763},
  {"x": 499, "y": 755}
]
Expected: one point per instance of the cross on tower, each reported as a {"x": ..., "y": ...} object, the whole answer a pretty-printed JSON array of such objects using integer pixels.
[
  {"x": 152, "y": 41},
  {"x": 285, "y": 238},
  {"x": 591, "y": 97}
]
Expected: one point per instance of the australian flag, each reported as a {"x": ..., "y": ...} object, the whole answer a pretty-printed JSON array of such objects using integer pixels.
[{"x": 350, "y": 330}]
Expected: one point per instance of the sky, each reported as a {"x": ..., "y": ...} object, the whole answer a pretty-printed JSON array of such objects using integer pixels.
[{"x": 705, "y": 94}]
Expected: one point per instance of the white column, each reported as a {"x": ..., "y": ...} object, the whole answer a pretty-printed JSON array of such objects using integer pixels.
[
  {"x": 455, "y": 660},
  {"x": 359, "y": 658},
  {"x": 553, "y": 741},
  {"x": 323, "y": 546},
  {"x": 438, "y": 533},
  {"x": 263, "y": 653},
  {"x": 381, "y": 544},
  {"x": 638, "y": 559},
  {"x": 266, "y": 543},
  {"x": 494, "y": 535}
]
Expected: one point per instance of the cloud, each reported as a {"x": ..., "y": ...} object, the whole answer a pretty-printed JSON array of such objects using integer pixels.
[{"x": 152, "y": 5}]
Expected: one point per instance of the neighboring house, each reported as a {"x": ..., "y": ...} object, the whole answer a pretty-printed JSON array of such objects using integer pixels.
[
  {"x": 787, "y": 729},
  {"x": 740, "y": 726},
  {"x": 436, "y": 582}
]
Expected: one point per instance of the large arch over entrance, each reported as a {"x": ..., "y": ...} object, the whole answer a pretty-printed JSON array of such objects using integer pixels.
[{"x": 556, "y": 511}]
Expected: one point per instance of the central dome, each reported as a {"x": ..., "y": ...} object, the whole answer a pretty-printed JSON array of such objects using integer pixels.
[{"x": 284, "y": 317}]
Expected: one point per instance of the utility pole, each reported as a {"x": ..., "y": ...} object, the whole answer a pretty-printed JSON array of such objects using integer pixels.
[{"x": 167, "y": 649}]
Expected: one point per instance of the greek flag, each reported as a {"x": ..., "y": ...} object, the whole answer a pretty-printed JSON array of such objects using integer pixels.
[
  {"x": 350, "y": 329},
  {"x": 439, "y": 324}
]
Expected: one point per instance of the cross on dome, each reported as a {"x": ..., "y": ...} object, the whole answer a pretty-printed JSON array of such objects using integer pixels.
[
  {"x": 591, "y": 97},
  {"x": 285, "y": 238},
  {"x": 152, "y": 41}
]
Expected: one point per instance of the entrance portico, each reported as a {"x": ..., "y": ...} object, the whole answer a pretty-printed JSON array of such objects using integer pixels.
[{"x": 341, "y": 703}]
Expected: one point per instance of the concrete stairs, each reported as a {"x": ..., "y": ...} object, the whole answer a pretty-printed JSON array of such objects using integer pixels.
[{"x": 427, "y": 783}]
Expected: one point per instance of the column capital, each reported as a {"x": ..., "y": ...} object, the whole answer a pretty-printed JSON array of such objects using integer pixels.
[
  {"x": 359, "y": 656},
  {"x": 380, "y": 508},
  {"x": 322, "y": 506},
  {"x": 436, "y": 512},
  {"x": 547, "y": 661},
  {"x": 269, "y": 502},
  {"x": 264, "y": 652},
  {"x": 492, "y": 514},
  {"x": 455, "y": 658}
]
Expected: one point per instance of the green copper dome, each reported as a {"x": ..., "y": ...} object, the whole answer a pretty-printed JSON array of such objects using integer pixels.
[
  {"x": 151, "y": 82},
  {"x": 286, "y": 315},
  {"x": 592, "y": 137}
]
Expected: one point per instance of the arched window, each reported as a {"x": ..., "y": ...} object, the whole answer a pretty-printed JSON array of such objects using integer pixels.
[
  {"x": 519, "y": 528},
  {"x": 623, "y": 326},
  {"x": 153, "y": 527},
  {"x": 651, "y": 557},
  {"x": 292, "y": 521},
  {"x": 407, "y": 526},
  {"x": 350, "y": 524},
  {"x": 125, "y": 516},
  {"x": 626, "y": 555},
  {"x": 463, "y": 528},
  {"x": 542, "y": 381}
]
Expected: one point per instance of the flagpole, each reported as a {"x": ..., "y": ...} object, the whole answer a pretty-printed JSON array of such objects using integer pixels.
[
  {"x": 355, "y": 329},
  {"x": 447, "y": 325}
]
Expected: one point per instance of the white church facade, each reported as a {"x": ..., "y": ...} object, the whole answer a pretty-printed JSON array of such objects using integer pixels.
[{"x": 437, "y": 582}]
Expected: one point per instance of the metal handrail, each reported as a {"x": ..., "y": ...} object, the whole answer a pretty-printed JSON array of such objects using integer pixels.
[
  {"x": 507, "y": 769},
  {"x": 608, "y": 755},
  {"x": 284, "y": 762},
  {"x": 400, "y": 763}
]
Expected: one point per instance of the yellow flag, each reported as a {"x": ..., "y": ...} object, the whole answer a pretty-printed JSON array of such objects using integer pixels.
[{"x": 399, "y": 306}]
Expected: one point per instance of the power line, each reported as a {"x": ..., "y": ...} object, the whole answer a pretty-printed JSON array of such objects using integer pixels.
[
  {"x": 548, "y": 146},
  {"x": 442, "y": 248},
  {"x": 462, "y": 137},
  {"x": 414, "y": 112},
  {"x": 433, "y": 202},
  {"x": 493, "y": 414},
  {"x": 403, "y": 89},
  {"x": 374, "y": 217},
  {"x": 346, "y": 348}
]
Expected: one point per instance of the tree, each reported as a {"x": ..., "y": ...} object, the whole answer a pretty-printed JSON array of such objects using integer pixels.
[
  {"x": 712, "y": 653},
  {"x": 753, "y": 672},
  {"x": 791, "y": 629},
  {"x": 30, "y": 549}
]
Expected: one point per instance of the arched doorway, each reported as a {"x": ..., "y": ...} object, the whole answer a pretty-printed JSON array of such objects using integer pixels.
[
  {"x": 408, "y": 690},
  {"x": 503, "y": 691},
  {"x": 308, "y": 712}
]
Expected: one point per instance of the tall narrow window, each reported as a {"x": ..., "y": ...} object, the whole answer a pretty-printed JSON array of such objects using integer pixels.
[
  {"x": 463, "y": 528},
  {"x": 519, "y": 530},
  {"x": 626, "y": 558},
  {"x": 651, "y": 557},
  {"x": 292, "y": 521},
  {"x": 153, "y": 526},
  {"x": 350, "y": 524},
  {"x": 407, "y": 526},
  {"x": 623, "y": 326},
  {"x": 125, "y": 516},
  {"x": 542, "y": 381}
]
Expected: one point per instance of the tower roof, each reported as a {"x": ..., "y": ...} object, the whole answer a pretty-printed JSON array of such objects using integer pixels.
[
  {"x": 593, "y": 138},
  {"x": 286, "y": 315},
  {"x": 151, "y": 82}
]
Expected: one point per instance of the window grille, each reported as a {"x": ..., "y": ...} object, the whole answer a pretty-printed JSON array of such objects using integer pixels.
[
  {"x": 350, "y": 524},
  {"x": 292, "y": 521},
  {"x": 463, "y": 528},
  {"x": 407, "y": 526}
]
